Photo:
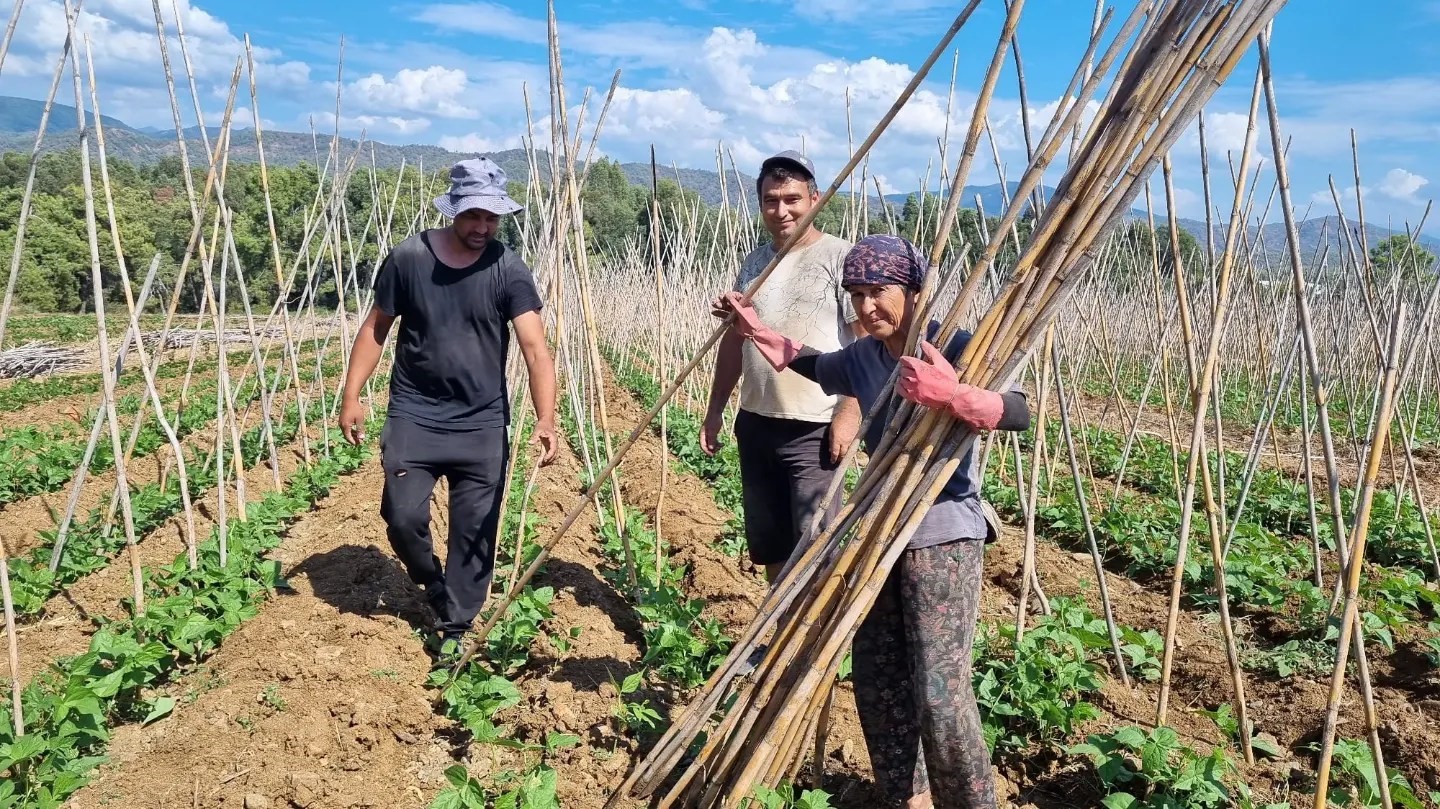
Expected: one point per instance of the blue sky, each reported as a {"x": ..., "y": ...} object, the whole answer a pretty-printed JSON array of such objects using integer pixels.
[{"x": 755, "y": 76}]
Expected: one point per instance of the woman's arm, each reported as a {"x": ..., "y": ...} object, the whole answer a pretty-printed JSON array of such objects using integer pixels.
[
  {"x": 1016, "y": 415},
  {"x": 806, "y": 363}
]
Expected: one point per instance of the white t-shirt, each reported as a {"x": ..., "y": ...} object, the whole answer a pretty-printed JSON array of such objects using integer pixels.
[{"x": 803, "y": 300}]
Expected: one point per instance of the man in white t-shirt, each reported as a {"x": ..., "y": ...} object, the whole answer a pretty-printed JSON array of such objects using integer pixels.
[{"x": 789, "y": 433}]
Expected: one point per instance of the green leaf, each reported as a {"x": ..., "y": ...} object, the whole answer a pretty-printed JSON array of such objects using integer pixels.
[
  {"x": 560, "y": 741},
  {"x": 813, "y": 799},
  {"x": 457, "y": 776},
  {"x": 632, "y": 682},
  {"x": 159, "y": 709},
  {"x": 448, "y": 799},
  {"x": 1120, "y": 800},
  {"x": 1265, "y": 747},
  {"x": 1130, "y": 736},
  {"x": 22, "y": 749}
]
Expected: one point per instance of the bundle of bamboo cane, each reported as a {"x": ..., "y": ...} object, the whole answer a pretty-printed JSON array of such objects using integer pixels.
[
  {"x": 755, "y": 727},
  {"x": 39, "y": 359}
]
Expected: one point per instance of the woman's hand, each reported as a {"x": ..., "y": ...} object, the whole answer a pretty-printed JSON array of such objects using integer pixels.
[
  {"x": 776, "y": 348},
  {"x": 932, "y": 383}
]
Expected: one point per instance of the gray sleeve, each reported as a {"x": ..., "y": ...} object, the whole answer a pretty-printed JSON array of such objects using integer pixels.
[{"x": 749, "y": 271}]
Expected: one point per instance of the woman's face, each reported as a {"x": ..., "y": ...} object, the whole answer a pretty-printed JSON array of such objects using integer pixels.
[{"x": 884, "y": 309}]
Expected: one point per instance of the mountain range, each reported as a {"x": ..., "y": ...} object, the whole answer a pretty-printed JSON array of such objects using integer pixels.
[{"x": 20, "y": 118}]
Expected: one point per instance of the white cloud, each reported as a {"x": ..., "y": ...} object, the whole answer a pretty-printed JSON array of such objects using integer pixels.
[
  {"x": 690, "y": 90},
  {"x": 371, "y": 125},
  {"x": 1225, "y": 132},
  {"x": 126, "y": 53},
  {"x": 1402, "y": 185},
  {"x": 493, "y": 18},
  {"x": 475, "y": 142},
  {"x": 886, "y": 187},
  {"x": 433, "y": 90}
]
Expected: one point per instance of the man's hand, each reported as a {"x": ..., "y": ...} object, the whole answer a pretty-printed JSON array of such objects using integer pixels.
[
  {"x": 843, "y": 428},
  {"x": 544, "y": 435},
  {"x": 352, "y": 420},
  {"x": 710, "y": 433},
  {"x": 720, "y": 307}
]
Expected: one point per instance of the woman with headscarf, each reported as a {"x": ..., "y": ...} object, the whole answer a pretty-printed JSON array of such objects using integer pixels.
[{"x": 912, "y": 654}]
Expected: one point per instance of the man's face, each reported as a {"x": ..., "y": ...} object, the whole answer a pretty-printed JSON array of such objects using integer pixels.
[
  {"x": 476, "y": 227},
  {"x": 783, "y": 204}
]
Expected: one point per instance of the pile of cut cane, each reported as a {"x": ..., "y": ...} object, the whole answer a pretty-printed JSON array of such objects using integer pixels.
[{"x": 755, "y": 725}]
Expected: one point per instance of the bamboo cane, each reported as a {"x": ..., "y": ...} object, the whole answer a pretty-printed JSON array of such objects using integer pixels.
[
  {"x": 1202, "y": 387},
  {"x": 18, "y": 250},
  {"x": 17, "y": 712},
  {"x": 669, "y": 392},
  {"x": 107, "y": 371},
  {"x": 5, "y": 44},
  {"x": 1364, "y": 503},
  {"x": 1080, "y": 498},
  {"x": 753, "y": 742},
  {"x": 134, "y": 327}
]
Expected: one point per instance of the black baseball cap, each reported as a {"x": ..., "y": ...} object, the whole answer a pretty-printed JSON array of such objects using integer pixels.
[{"x": 792, "y": 159}]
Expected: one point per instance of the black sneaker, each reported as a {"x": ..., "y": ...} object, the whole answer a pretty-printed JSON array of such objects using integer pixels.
[{"x": 436, "y": 597}]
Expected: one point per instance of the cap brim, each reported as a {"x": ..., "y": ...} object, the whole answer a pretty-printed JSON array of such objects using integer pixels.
[
  {"x": 454, "y": 206},
  {"x": 788, "y": 162}
]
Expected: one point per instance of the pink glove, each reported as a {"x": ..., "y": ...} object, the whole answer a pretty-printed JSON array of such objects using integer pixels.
[
  {"x": 932, "y": 383},
  {"x": 776, "y": 348}
]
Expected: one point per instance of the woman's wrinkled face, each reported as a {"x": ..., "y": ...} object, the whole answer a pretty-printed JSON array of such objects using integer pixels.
[{"x": 884, "y": 309}]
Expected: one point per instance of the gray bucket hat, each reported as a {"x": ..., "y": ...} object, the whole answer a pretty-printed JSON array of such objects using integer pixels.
[{"x": 476, "y": 183}]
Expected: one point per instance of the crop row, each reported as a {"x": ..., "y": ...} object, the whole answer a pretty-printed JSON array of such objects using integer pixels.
[
  {"x": 23, "y": 393},
  {"x": 1034, "y": 691},
  {"x": 37, "y": 460},
  {"x": 93, "y": 540},
  {"x": 1242, "y": 403},
  {"x": 1268, "y": 567},
  {"x": 483, "y": 688},
  {"x": 720, "y": 471},
  {"x": 1398, "y": 531},
  {"x": 70, "y": 708}
]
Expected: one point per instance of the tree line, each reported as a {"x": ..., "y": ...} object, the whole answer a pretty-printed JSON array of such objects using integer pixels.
[{"x": 153, "y": 216}]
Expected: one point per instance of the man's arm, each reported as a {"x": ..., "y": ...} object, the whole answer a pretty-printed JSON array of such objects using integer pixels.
[
  {"x": 727, "y": 376},
  {"x": 364, "y": 356},
  {"x": 530, "y": 333}
]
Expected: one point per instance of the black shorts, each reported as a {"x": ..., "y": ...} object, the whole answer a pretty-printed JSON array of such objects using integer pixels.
[{"x": 785, "y": 470}]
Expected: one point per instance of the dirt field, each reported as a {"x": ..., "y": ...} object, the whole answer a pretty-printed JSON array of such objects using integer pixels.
[{"x": 319, "y": 701}]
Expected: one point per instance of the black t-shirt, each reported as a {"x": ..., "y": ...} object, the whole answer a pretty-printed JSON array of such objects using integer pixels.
[{"x": 454, "y": 332}]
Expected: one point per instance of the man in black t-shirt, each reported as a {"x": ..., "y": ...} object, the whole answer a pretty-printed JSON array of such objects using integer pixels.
[{"x": 456, "y": 292}]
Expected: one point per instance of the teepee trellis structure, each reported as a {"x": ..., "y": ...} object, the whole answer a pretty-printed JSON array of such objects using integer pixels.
[{"x": 1182, "y": 52}]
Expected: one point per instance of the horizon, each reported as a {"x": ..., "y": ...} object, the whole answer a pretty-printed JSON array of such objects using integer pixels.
[{"x": 698, "y": 76}]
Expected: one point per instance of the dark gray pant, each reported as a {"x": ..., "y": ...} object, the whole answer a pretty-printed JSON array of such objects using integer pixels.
[
  {"x": 913, "y": 680},
  {"x": 473, "y": 462},
  {"x": 785, "y": 470}
]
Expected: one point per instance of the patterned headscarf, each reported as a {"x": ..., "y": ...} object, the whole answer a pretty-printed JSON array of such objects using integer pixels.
[{"x": 885, "y": 259}]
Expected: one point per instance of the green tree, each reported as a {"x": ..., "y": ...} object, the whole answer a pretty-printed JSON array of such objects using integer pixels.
[
  {"x": 1134, "y": 249},
  {"x": 611, "y": 207},
  {"x": 1400, "y": 257}
]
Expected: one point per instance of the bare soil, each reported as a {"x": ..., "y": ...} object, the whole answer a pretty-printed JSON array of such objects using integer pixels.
[{"x": 320, "y": 699}]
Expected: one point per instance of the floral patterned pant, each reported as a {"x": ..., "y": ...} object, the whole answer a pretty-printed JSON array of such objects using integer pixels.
[{"x": 912, "y": 673}]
